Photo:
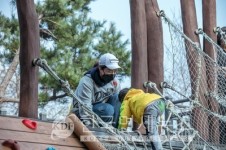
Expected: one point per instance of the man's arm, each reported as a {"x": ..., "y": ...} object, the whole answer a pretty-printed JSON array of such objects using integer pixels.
[{"x": 84, "y": 92}]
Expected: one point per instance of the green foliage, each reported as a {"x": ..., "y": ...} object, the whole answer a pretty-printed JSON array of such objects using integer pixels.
[
  {"x": 71, "y": 42},
  {"x": 110, "y": 41},
  {"x": 9, "y": 37},
  {"x": 43, "y": 96}
]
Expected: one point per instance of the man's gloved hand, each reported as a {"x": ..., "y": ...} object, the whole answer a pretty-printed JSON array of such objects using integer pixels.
[{"x": 169, "y": 105}]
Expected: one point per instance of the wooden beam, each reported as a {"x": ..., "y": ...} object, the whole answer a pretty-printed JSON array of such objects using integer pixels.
[
  {"x": 154, "y": 43},
  {"x": 189, "y": 19},
  {"x": 209, "y": 23},
  {"x": 29, "y": 45},
  {"x": 139, "y": 68}
]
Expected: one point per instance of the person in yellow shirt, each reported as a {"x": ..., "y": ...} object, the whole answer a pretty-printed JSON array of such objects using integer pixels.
[{"x": 143, "y": 107}]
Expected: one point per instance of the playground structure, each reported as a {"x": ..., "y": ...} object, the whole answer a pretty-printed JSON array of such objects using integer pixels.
[
  {"x": 38, "y": 138},
  {"x": 194, "y": 80},
  {"x": 185, "y": 136}
]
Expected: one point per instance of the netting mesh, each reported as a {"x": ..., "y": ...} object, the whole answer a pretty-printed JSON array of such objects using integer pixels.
[{"x": 197, "y": 84}]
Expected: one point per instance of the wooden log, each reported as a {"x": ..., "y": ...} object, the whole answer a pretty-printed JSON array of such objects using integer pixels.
[
  {"x": 139, "y": 68},
  {"x": 85, "y": 135},
  {"x": 29, "y": 49},
  {"x": 209, "y": 22},
  {"x": 189, "y": 19},
  {"x": 154, "y": 43}
]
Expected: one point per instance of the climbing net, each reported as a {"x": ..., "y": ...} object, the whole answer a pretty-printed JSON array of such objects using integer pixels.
[
  {"x": 197, "y": 85},
  {"x": 123, "y": 139}
]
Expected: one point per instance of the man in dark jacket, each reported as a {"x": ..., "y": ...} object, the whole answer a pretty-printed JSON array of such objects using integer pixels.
[{"x": 98, "y": 89}]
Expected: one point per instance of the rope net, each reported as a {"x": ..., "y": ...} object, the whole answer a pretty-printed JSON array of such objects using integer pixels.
[{"x": 197, "y": 85}]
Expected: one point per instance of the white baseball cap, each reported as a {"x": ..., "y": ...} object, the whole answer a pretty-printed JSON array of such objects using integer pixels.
[{"x": 109, "y": 60}]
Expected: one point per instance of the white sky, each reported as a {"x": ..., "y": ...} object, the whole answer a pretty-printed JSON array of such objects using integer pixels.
[{"x": 118, "y": 11}]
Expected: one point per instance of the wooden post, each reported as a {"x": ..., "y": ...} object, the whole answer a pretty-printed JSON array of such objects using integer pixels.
[
  {"x": 154, "y": 43},
  {"x": 209, "y": 22},
  {"x": 147, "y": 44},
  {"x": 222, "y": 63},
  {"x": 29, "y": 49},
  {"x": 189, "y": 19},
  {"x": 139, "y": 43},
  {"x": 139, "y": 69}
]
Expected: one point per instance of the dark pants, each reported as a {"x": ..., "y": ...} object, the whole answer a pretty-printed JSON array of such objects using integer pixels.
[{"x": 109, "y": 111}]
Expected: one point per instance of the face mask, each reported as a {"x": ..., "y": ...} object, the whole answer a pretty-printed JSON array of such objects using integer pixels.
[{"x": 108, "y": 77}]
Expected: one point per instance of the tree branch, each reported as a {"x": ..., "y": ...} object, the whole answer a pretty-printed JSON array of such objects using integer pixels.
[
  {"x": 7, "y": 99},
  {"x": 56, "y": 97},
  {"x": 9, "y": 73}
]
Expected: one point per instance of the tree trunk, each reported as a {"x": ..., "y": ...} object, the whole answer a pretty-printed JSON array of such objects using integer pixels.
[
  {"x": 209, "y": 22},
  {"x": 9, "y": 73},
  {"x": 29, "y": 45},
  {"x": 154, "y": 43},
  {"x": 198, "y": 78}
]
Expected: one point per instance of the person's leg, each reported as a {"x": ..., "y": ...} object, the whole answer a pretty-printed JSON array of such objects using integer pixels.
[
  {"x": 114, "y": 101},
  {"x": 150, "y": 122},
  {"x": 104, "y": 111}
]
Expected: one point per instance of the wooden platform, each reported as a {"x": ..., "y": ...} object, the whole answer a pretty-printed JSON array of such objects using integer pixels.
[{"x": 38, "y": 139}]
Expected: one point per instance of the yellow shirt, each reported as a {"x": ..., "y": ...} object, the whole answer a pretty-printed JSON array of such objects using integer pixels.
[{"x": 134, "y": 105}]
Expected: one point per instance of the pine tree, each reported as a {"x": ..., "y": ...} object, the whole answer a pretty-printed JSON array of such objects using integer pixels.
[
  {"x": 9, "y": 55},
  {"x": 71, "y": 42}
]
